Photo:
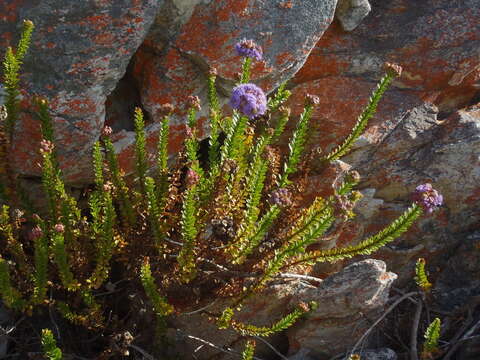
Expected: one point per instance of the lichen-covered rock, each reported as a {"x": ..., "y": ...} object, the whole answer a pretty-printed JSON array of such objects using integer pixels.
[
  {"x": 345, "y": 298},
  {"x": 79, "y": 52},
  {"x": 425, "y": 130},
  {"x": 170, "y": 68}
]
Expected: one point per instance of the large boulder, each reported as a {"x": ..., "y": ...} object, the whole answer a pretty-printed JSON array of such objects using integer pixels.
[
  {"x": 344, "y": 300},
  {"x": 80, "y": 50},
  {"x": 426, "y": 128},
  {"x": 176, "y": 56}
]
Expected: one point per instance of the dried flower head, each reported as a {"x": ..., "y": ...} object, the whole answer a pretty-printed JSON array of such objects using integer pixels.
[
  {"x": 213, "y": 71},
  {"x": 393, "y": 69},
  {"x": 312, "y": 100},
  {"x": 107, "y": 131},
  {"x": 166, "y": 109},
  {"x": 59, "y": 228},
  {"x": 193, "y": 102},
  {"x": 249, "y": 99},
  {"x": 36, "y": 233},
  {"x": 281, "y": 197},
  {"x": 46, "y": 146},
  {"x": 230, "y": 166},
  {"x": 427, "y": 197},
  {"x": 192, "y": 178},
  {"x": 285, "y": 110},
  {"x": 223, "y": 227},
  {"x": 248, "y": 48}
]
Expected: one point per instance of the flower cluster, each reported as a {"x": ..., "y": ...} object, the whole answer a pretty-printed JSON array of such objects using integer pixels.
[
  {"x": 427, "y": 197},
  {"x": 248, "y": 48},
  {"x": 281, "y": 197},
  {"x": 249, "y": 99}
]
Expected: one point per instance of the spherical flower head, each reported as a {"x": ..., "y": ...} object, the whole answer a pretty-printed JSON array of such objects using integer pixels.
[
  {"x": 281, "y": 197},
  {"x": 427, "y": 197},
  {"x": 248, "y": 48},
  {"x": 249, "y": 99}
]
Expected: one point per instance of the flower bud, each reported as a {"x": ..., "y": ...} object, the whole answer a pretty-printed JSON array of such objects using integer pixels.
[
  {"x": 193, "y": 102},
  {"x": 107, "y": 131},
  {"x": 213, "y": 71},
  {"x": 166, "y": 109},
  {"x": 312, "y": 100},
  {"x": 46, "y": 146},
  {"x": 36, "y": 233},
  {"x": 59, "y": 228},
  {"x": 248, "y": 48},
  {"x": 394, "y": 70},
  {"x": 192, "y": 177}
]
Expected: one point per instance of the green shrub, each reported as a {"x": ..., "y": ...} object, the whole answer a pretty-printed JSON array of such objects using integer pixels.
[{"x": 169, "y": 231}]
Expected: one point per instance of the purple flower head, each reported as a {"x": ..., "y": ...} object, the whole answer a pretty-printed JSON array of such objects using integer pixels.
[
  {"x": 248, "y": 48},
  {"x": 249, "y": 99},
  {"x": 427, "y": 197}
]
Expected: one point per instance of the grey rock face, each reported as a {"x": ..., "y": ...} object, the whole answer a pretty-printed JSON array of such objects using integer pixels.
[
  {"x": 350, "y": 13},
  {"x": 343, "y": 298},
  {"x": 79, "y": 52},
  {"x": 379, "y": 354}
]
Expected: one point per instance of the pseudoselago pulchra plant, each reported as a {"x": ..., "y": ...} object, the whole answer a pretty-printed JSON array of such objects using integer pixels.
[{"x": 217, "y": 223}]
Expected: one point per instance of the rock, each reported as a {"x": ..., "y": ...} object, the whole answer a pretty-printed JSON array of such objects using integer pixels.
[
  {"x": 169, "y": 68},
  {"x": 378, "y": 354},
  {"x": 426, "y": 127},
  {"x": 350, "y": 13},
  {"x": 261, "y": 310},
  {"x": 78, "y": 54},
  {"x": 345, "y": 298},
  {"x": 6, "y": 321},
  {"x": 459, "y": 280},
  {"x": 360, "y": 288}
]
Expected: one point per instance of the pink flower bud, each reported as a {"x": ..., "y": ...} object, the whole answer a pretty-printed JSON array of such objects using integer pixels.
[{"x": 59, "y": 228}]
